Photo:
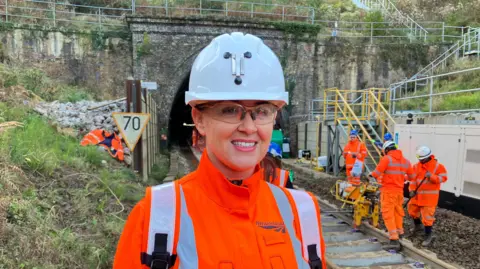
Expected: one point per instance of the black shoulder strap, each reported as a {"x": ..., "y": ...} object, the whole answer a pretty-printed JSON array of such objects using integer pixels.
[
  {"x": 160, "y": 258},
  {"x": 313, "y": 260}
]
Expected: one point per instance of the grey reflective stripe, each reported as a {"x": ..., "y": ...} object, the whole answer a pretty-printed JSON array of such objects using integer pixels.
[
  {"x": 376, "y": 171},
  {"x": 309, "y": 221},
  {"x": 186, "y": 246},
  {"x": 389, "y": 159},
  {"x": 442, "y": 175},
  {"x": 394, "y": 172},
  {"x": 429, "y": 217},
  {"x": 403, "y": 165},
  {"x": 435, "y": 170},
  {"x": 162, "y": 215},
  {"x": 412, "y": 176},
  {"x": 288, "y": 218},
  {"x": 282, "y": 178},
  {"x": 162, "y": 220},
  {"x": 428, "y": 192}
]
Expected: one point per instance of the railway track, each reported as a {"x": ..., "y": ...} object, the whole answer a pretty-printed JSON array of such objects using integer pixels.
[
  {"x": 362, "y": 248},
  {"x": 349, "y": 248}
]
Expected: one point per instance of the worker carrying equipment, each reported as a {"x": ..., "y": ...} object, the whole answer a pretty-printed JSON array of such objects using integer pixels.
[
  {"x": 272, "y": 166},
  {"x": 354, "y": 152},
  {"x": 225, "y": 214},
  {"x": 393, "y": 167},
  {"x": 429, "y": 174}
]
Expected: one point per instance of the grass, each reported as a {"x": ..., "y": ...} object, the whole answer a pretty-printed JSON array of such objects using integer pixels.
[
  {"x": 465, "y": 81},
  {"x": 61, "y": 205},
  {"x": 37, "y": 82}
]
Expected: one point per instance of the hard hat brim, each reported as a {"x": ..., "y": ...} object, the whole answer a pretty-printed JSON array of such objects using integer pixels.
[{"x": 279, "y": 99}]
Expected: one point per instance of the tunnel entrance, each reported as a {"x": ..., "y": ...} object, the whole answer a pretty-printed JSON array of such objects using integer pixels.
[{"x": 179, "y": 114}]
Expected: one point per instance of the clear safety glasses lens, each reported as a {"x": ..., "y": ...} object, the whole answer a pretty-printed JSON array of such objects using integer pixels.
[{"x": 235, "y": 113}]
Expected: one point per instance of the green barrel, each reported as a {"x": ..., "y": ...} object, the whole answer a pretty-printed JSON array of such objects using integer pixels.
[{"x": 277, "y": 137}]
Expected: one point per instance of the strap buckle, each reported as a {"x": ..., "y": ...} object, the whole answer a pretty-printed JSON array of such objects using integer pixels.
[
  {"x": 315, "y": 261},
  {"x": 315, "y": 264},
  {"x": 160, "y": 260}
]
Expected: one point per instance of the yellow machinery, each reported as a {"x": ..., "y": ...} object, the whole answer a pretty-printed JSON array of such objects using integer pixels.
[{"x": 363, "y": 199}]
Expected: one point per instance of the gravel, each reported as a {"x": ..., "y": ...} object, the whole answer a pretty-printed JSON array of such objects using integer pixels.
[
  {"x": 79, "y": 116},
  {"x": 457, "y": 236}
]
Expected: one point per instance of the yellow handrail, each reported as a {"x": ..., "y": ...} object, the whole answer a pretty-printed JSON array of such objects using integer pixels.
[
  {"x": 362, "y": 140},
  {"x": 359, "y": 122},
  {"x": 381, "y": 106},
  {"x": 368, "y": 102}
]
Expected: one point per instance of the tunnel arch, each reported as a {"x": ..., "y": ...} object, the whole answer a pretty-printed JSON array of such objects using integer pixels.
[{"x": 180, "y": 113}]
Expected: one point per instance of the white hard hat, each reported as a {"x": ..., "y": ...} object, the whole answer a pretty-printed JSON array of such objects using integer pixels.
[
  {"x": 388, "y": 144},
  {"x": 423, "y": 152},
  {"x": 237, "y": 67}
]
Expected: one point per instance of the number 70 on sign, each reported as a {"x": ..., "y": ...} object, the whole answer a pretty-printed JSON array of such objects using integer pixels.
[{"x": 131, "y": 126}]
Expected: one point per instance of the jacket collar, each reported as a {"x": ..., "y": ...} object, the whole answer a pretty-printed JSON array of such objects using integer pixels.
[{"x": 224, "y": 193}]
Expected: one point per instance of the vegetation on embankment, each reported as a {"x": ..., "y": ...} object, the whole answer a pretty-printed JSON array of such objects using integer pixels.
[
  {"x": 61, "y": 205},
  {"x": 464, "y": 81}
]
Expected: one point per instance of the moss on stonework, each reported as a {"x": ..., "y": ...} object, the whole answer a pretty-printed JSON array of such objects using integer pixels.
[
  {"x": 405, "y": 56},
  {"x": 297, "y": 29},
  {"x": 98, "y": 35}
]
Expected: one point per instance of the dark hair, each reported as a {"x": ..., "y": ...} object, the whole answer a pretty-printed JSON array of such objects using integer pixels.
[{"x": 270, "y": 165}]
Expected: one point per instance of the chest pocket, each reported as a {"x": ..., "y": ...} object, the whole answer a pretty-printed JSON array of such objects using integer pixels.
[{"x": 275, "y": 243}]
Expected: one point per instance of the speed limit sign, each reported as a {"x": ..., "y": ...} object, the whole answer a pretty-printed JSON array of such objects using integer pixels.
[{"x": 131, "y": 126}]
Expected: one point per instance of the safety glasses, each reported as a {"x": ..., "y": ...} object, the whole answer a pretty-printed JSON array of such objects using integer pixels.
[{"x": 230, "y": 112}]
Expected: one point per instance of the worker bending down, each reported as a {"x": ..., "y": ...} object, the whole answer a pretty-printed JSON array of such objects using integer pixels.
[
  {"x": 354, "y": 150},
  {"x": 225, "y": 214},
  {"x": 393, "y": 167},
  {"x": 272, "y": 166},
  {"x": 424, "y": 192}
]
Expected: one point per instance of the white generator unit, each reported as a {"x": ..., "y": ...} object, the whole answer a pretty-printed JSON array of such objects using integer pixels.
[{"x": 457, "y": 147}]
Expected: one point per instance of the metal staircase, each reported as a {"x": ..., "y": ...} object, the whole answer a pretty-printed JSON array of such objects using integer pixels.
[
  {"x": 392, "y": 14},
  {"x": 363, "y": 110},
  {"x": 468, "y": 46}
]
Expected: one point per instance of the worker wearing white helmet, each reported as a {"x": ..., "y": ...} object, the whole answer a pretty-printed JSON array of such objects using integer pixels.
[
  {"x": 424, "y": 192},
  {"x": 392, "y": 168},
  {"x": 225, "y": 214}
]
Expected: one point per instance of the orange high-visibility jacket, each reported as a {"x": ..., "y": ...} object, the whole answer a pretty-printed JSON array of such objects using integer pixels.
[
  {"x": 99, "y": 137},
  {"x": 393, "y": 167},
  {"x": 282, "y": 178},
  {"x": 205, "y": 222},
  {"x": 428, "y": 193},
  {"x": 354, "y": 147}
]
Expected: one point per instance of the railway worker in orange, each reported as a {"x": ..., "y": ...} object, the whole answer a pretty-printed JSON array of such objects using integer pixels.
[
  {"x": 354, "y": 150},
  {"x": 225, "y": 214},
  {"x": 194, "y": 137},
  {"x": 393, "y": 167},
  {"x": 424, "y": 192},
  {"x": 272, "y": 166}
]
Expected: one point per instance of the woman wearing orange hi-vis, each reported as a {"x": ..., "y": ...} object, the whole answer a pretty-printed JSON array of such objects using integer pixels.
[
  {"x": 393, "y": 166},
  {"x": 424, "y": 192},
  {"x": 354, "y": 150},
  {"x": 225, "y": 214}
]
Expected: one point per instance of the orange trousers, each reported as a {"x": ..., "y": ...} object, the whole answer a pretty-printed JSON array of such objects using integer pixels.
[
  {"x": 427, "y": 213},
  {"x": 392, "y": 212},
  {"x": 352, "y": 180}
]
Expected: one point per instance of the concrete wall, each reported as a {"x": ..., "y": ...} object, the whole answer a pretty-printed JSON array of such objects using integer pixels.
[
  {"x": 100, "y": 61},
  {"x": 453, "y": 118}
]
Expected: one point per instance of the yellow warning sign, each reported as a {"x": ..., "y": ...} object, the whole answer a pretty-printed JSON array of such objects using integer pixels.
[{"x": 131, "y": 126}]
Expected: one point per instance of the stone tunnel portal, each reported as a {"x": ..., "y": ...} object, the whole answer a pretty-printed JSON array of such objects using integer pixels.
[{"x": 180, "y": 114}]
